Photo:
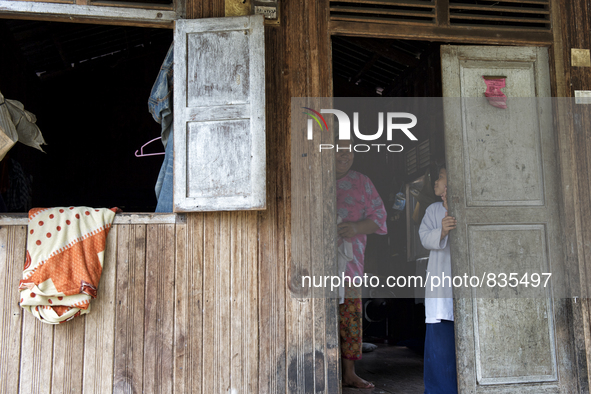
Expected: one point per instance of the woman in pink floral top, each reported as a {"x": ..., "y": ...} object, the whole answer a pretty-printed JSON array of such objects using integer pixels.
[{"x": 362, "y": 212}]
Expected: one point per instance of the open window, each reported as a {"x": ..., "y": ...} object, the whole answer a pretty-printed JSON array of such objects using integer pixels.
[{"x": 89, "y": 85}]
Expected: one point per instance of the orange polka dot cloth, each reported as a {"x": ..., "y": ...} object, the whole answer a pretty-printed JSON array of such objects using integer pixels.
[{"x": 65, "y": 254}]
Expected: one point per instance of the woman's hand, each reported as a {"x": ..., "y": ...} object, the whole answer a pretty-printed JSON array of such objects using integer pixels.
[
  {"x": 347, "y": 229},
  {"x": 351, "y": 229},
  {"x": 448, "y": 223}
]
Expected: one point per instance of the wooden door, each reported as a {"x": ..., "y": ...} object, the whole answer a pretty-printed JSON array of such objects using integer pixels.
[{"x": 502, "y": 181}]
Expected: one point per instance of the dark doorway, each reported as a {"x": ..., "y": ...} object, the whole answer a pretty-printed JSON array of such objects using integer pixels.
[{"x": 368, "y": 67}]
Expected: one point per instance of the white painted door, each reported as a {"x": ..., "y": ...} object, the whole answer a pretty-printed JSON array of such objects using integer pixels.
[
  {"x": 219, "y": 114},
  {"x": 502, "y": 186}
]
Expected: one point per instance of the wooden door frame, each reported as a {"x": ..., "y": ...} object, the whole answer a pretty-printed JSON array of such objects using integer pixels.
[{"x": 569, "y": 207}]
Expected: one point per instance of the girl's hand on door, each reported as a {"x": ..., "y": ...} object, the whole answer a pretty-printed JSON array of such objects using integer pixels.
[{"x": 448, "y": 223}]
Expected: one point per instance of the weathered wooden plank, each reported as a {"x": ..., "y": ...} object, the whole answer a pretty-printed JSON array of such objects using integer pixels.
[
  {"x": 98, "y": 12},
  {"x": 271, "y": 222},
  {"x": 82, "y": 19},
  {"x": 315, "y": 371},
  {"x": 298, "y": 311},
  {"x": 68, "y": 357},
  {"x": 399, "y": 3},
  {"x": 129, "y": 314},
  {"x": 582, "y": 318},
  {"x": 205, "y": 9},
  {"x": 510, "y": 10},
  {"x": 497, "y": 36},
  {"x": 12, "y": 257},
  {"x": 37, "y": 343},
  {"x": 568, "y": 180},
  {"x": 55, "y": 1},
  {"x": 182, "y": 287},
  {"x": 414, "y": 3},
  {"x": 216, "y": 303},
  {"x": 558, "y": 67},
  {"x": 200, "y": 114},
  {"x": 579, "y": 120},
  {"x": 188, "y": 306},
  {"x": 331, "y": 342},
  {"x": 159, "y": 308},
  {"x": 250, "y": 332},
  {"x": 325, "y": 351},
  {"x": 575, "y": 158},
  {"x": 494, "y": 18},
  {"x": 210, "y": 317},
  {"x": 369, "y": 10},
  {"x": 427, "y": 20},
  {"x": 442, "y": 13},
  {"x": 21, "y": 219},
  {"x": 306, "y": 349},
  {"x": 99, "y": 338},
  {"x": 243, "y": 287},
  {"x": 149, "y": 6},
  {"x": 539, "y": 2},
  {"x": 146, "y": 218},
  {"x": 307, "y": 362},
  {"x": 238, "y": 304}
]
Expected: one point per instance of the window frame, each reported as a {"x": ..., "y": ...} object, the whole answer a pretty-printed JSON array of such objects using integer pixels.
[
  {"x": 22, "y": 219},
  {"x": 105, "y": 12},
  {"x": 257, "y": 199}
]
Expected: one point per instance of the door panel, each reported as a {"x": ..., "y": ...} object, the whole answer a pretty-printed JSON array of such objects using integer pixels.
[{"x": 502, "y": 190}]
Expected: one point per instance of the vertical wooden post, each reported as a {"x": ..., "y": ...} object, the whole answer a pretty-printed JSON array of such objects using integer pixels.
[{"x": 442, "y": 9}]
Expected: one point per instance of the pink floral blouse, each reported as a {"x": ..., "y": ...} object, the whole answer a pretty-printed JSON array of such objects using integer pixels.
[{"x": 358, "y": 199}]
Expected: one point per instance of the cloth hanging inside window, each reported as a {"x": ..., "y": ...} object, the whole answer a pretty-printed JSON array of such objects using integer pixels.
[
  {"x": 17, "y": 124},
  {"x": 160, "y": 105}
]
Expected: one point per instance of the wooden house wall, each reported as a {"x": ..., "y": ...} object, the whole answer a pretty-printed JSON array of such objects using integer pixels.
[
  {"x": 164, "y": 320},
  {"x": 204, "y": 305}
]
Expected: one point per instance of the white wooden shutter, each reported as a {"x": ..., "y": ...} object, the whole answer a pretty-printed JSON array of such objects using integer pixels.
[{"x": 219, "y": 114}]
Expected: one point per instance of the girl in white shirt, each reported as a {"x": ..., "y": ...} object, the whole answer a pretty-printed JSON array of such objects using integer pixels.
[{"x": 440, "y": 356}]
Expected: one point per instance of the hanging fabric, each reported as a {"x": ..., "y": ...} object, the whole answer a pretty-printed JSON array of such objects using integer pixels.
[
  {"x": 160, "y": 106},
  {"x": 17, "y": 124}
]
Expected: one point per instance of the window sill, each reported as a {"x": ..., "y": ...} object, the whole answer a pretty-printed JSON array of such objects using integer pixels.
[{"x": 22, "y": 219}]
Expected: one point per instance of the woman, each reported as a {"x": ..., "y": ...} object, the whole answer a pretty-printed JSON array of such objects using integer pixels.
[{"x": 362, "y": 212}]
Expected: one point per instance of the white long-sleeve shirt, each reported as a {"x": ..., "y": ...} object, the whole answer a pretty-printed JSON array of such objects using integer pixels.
[{"x": 439, "y": 300}]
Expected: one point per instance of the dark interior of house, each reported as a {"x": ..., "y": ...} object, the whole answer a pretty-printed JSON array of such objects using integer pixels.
[
  {"x": 369, "y": 67},
  {"x": 88, "y": 86}
]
